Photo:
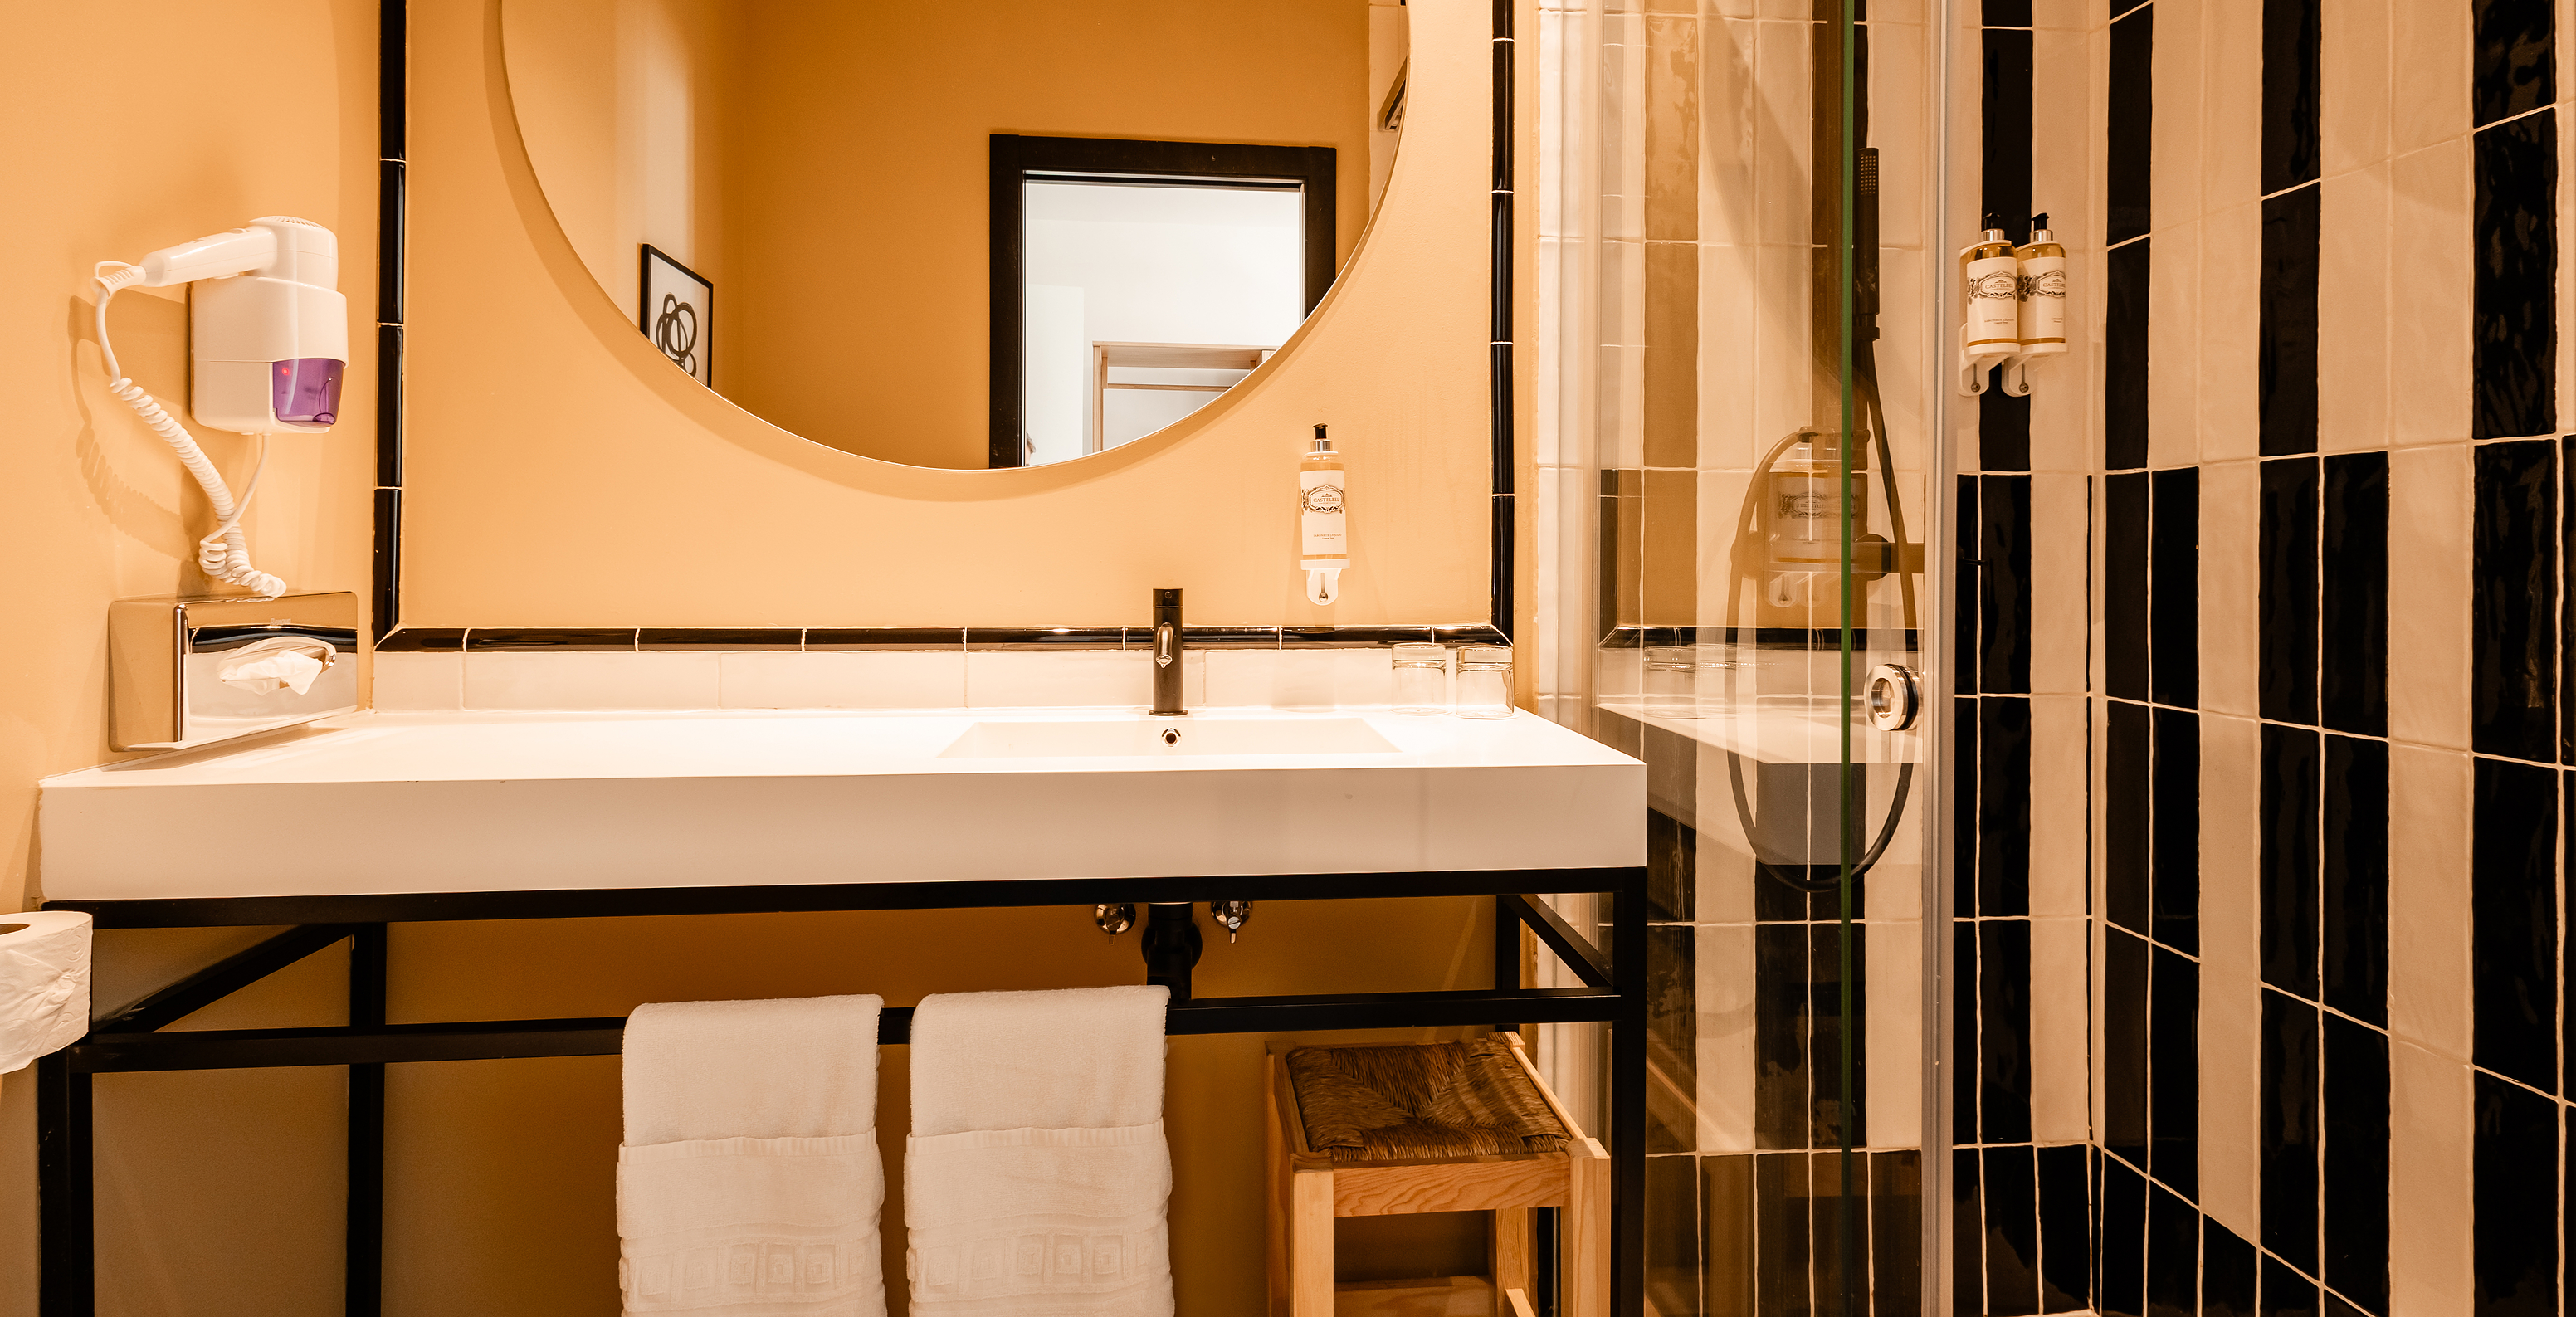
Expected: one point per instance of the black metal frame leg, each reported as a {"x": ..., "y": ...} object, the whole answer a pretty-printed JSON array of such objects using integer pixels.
[
  {"x": 1628, "y": 1097},
  {"x": 366, "y": 1209},
  {"x": 66, "y": 1205}
]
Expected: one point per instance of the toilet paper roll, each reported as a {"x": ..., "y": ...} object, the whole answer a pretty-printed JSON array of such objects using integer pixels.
[{"x": 44, "y": 984}]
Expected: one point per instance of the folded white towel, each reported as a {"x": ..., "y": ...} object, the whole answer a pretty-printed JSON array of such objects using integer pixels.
[
  {"x": 749, "y": 1184},
  {"x": 1036, "y": 1178}
]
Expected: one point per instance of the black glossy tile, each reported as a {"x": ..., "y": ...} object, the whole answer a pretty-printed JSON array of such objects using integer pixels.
[
  {"x": 2005, "y": 13},
  {"x": 2004, "y": 176},
  {"x": 2122, "y": 1280},
  {"x": 2286, "y": 363},
  {"x": 2353, "y": 605},
  {"x": 1966, "y": 767},
  {"x": 2128, "y": 785},
  {"x": 2003, "y": 431},
  {"x": 2515, "y": 64},
  {"x": 1196, "y": 637},
  {"x": 1726, "y": 1278},
  {"x": 391, "y": 222},
  {"x": 2567, "y": 619},
  {"x": 2229, "y": 1275},
  {"x": 2516, "y": 1202},
  {"x": 1781, "y": 1075},
  {"x": 2003, "y": 1033},
  {"x": 1672, "y": 869},
  {"x": 1968, "y": 587},
  {"x": 2286, "y": 1293},
  {"x": 2173, "y": 1069},
  {"x": 1780, "y": 1235},
  {"x": 389, "y": 406},
  {"x": 2173, "y": 1255},
  {"x": 2514, "y": 922},
  {"x": 720, "y": 638},
  {"x": 2176, "y": 828},
  {"x": 2173, "y": 624},
  {"x": 384, "y": 567},
  {"x": 2004, "y": 611},
  {"x": 2065, "y": 1230},
  {"x": 2129, "y": 150},
  {"x": 423, "y": 640},
  {"x": 2292, "y": 46},
  {"x": 1353, "y": 637},
  {"x": 2124, "y": 349},
  {"x": 2289, "y": 935},
  {"x": 2003, "y": 807},
  {"x": 1838, "y": 1272},
  {"x": 2513, "y": 600},
  {"x": 2286, "y": 592},
  {"x": 1895, "y": 1233},
  {"x": 2288, "y": 1133},
  {"x": 2012, "y": 1230},
  {"x": 1102, "y": 637},
  {"x": 1829, "y": 1105},
  {"x": 2124, "y": 585},
  {"x": 2335, "y": 1305},
  {"x": 1672, "y": 1038},
  {"x": 2514, "y": 343},
  {"x": 2125, "y": 1095},
  {"x": 2354, "y": 890},
  {"x": 1468, "y": 633},
  {"x": 885, "y": 637},
  {"x": 2356, "y": 1162},
  {"x": 1967, "y": 1233},
  {"x": 1672, "y": 1233},
  {"x": 554, "y": 639},
  {"x": 1965, "y": 1068}
]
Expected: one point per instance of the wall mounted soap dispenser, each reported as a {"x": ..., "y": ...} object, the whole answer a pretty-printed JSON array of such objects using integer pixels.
[
  {"x": 1990, "y": 278},
  {"x": 1322, "y": 521}
]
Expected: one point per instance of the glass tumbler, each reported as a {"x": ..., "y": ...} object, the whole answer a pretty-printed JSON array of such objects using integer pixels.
[
  {"x": 1485, "y": 681},
  {"x": 1674, "y": 674},
  {"x": 1422, "y": 678}
]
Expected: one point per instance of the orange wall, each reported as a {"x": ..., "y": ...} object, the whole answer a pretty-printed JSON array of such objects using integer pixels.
[
  {"x": 129, "y": 134},
  {"x": 605, "y": 489}
]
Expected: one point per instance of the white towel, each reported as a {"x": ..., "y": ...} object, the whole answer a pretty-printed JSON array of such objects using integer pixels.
[
  {"x": 1036, "y": 1178},
  {"x": 749, "y": 1184}
]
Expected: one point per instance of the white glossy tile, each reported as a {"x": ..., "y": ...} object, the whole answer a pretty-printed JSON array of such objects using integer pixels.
[
  {"x": 2062, "y": 152},
  {"x": 2355, "y": 304},
  {"x": 2354, "y": 71},
  {"x": 1723, "y": 862},
  {"x": 2230, "y": 558},
  {"x": 2429, "y": 568},
  {"x": 2060, "y": 518},
  {"x": 2230, "y": 341},
  {"x": 1011, "y": 678},
  {"x": 2231, "y": 988},
  {"x": 2059, "y": 807},
  {"x": 1300, "y": 678},
  {"x": 843, "y": 679},
  {"x": 2430, "y": 798},
  {"x": 416, "y": 681},
  {"x": 2178, "y": 129},
  {"x": 1783, "y": 91},
  {"x": 2079, "y": 15},
  {"x": 2173, "y": 341},
  {"x": 1727, "y": 1060},
  {"x": 2060, "y": 1059},
  {"x": 1721, "y": 502},
  {"x": 2429, "y": 81},
  {"x": 2431, "y": 1152},
  {"x": 2430, "y": 196},
  {"x": 1730, "y": 325},
  {"x": 1894, "y": 991},
  {"x": 2231, "y": 167},
  {"x": 579, "y": 680}
]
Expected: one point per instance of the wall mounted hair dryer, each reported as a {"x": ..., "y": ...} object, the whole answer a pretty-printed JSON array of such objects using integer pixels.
[{"x": 268, "y": 340}]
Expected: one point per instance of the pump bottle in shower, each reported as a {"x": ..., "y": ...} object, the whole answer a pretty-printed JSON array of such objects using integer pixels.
[
  {"x": 1993, "y": 293},
  {"x": 2043, "y": 291}
]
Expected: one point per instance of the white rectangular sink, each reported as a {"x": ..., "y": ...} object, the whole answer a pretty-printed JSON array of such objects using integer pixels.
[
  {"x": 1164, "y": 737},
  {"x": 377, "y": 803}
]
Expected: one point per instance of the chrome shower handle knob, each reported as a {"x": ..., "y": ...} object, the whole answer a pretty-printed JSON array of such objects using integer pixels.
[{"x": 1893, "y": 696}]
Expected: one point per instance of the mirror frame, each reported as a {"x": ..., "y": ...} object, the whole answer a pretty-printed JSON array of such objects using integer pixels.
[{"x": 1014, "y": 158}]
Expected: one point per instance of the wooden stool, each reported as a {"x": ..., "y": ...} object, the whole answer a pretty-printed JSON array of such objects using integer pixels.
[{"x": 1308, "y": 1189}]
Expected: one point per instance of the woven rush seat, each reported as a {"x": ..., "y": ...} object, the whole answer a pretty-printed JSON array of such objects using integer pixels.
[
  {"x": 1396, "y": 1103},
  {"x": 1429, "y": 1127}
]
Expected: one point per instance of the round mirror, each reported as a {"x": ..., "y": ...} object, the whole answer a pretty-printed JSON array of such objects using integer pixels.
[{"x": 999, "y": 235}]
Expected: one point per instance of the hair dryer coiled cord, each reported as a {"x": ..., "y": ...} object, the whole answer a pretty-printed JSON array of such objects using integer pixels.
[{"x": 224, "y": 554}]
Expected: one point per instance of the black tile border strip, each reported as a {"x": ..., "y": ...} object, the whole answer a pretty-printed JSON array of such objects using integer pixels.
[
  {"x": 448, "y": 640},
  {"x": 393, "y": 81}
]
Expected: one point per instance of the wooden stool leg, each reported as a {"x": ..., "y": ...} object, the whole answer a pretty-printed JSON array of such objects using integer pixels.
[
  {"x": 1310, "y": 1244},
  {"x": 1508, "y": 1249},
  {"x": 1583, "y": 1234}
]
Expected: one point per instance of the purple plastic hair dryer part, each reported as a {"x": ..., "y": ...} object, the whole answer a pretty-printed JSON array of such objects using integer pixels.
[{"x": 306, "y": 390}]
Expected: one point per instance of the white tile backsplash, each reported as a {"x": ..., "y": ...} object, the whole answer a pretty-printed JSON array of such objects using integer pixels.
[
  {"x": 1299, "y": 678},
  {"x": 1019, "y": 678},
  {"x": 843, "y": 679},
  {"x": 591, "y": 680},
  {"x": 414, "y": 681}
]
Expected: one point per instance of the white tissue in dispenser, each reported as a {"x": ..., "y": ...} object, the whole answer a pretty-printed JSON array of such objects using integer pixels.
[
  {"x": 1321, "y": 521},
  {"x": 185, "y": 670}
]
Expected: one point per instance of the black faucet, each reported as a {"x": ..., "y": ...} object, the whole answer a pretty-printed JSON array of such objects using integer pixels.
[{"x": 1167, "y": 655}]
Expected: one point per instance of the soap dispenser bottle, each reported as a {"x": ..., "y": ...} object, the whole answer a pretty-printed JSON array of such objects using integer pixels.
[
  {"x": 1993, "y": 276},
  {"x": 1326, "y": 545},
  {"x": 2043, "y": 291}
]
